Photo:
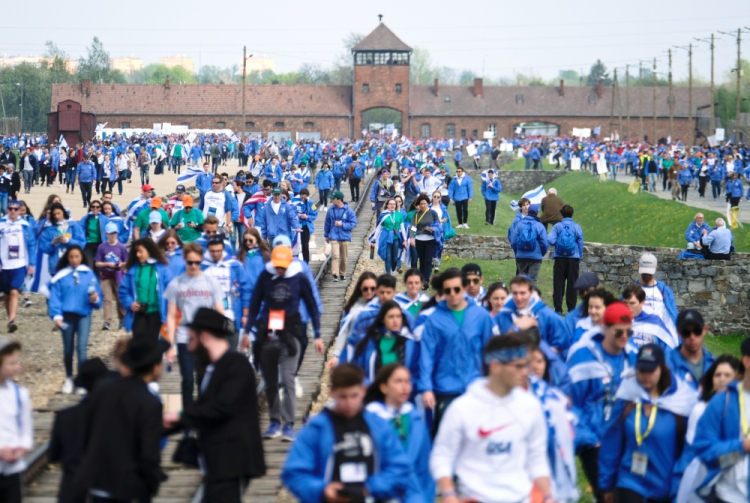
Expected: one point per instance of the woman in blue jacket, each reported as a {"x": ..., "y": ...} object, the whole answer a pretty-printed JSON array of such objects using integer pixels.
[
  {"x": 491, "y": 188},
  {"x": 170, "y": 245},
  {"x": 734, "y": 190},
  {"x": 645, "y": 434},
  {"x": 59, "y": 235},
  {"x": 109, "y": 211},
  {"x": 388, "y": 340},
  {"x": 141, "y": 291},
  {"x": 324, "y": 183},
  {"x": 388, "y": 398},
  {"x": 338, "y": 173},
  {"x": 74, "y": 294},
  {"x": 254, "y": 253}
]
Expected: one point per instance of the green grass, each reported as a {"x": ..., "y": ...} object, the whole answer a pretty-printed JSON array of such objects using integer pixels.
[
  {"x": 718, "y": 345},
  {"x": 520, "y": 165},
  {"x": 607, "y": 213}
]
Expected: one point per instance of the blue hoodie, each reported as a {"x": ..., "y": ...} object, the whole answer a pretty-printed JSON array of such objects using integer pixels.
[
  {"x": 716, "y": 172},
  {"x": 362, "y": 323},
  {"x": 306, "y": 208},
  {"x": 695, "y": 233},
  {"x": 684, "y": 177},
  {"x": 273, "y": 173},
  {"x": 54, "y": 252},
  {"x": 309, "y": 464},
  {"x": 540, "y": 246},
  {"x": 679, "y": 366},
  {"x": 407, "y": 348},
  {"x": 462, "y": 191},
  {"x": 734, "y": 188},
  {"x": 324, "y": 180},
  {"x": 557, "y": 229},
  {"x": 285, "y": 222},
  {"x": 491, "y": 189},
  {"x": 348, "y": 222},
  {"x": 451, "y": 354},
  {"x": 86, "y": 172},
  {"x": 551, "y": 326},
  {"x": 127, "y": 291},
  {"x": 68, "y": 294}
]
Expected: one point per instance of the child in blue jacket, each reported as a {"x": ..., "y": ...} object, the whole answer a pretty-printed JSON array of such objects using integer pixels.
[{"x": 491, "y": 188}]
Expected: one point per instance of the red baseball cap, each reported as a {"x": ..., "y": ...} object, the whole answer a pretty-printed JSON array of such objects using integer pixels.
[
  {"x": 147, "y": 187},
  {"x": 617, "y": 313}
]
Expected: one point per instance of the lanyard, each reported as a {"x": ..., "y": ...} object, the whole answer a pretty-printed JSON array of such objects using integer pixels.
[
  {"x": 417, "y": 220},
  {"x": 639, "y": 437},
  {"x": 743, "y": 415}
]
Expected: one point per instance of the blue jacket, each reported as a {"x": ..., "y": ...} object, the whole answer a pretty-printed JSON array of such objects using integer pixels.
[
  {"x": 254, "y": 265},
  {"x": 238, "y": 289},
  {"x": 86, "y": 172},
  {"x": 734, "y": 188},
  {"x": 362, "y": 323},
  {"x": 127, "y": 292},
  {"x": 307, "y": 470},
  {"x": 558, "y": 228},
  {"x": 348, "y": 222},
  {"x": 451, "y": 354},
  {"x": 491, "y": 189},
  {"x": 717, "y": 173},
  {"x": 273, "y": 173},
  {"x": 176, "y": 263},
  {"x": 684, "y": 177},
  {"x": 324, "y": 180},
  {"x": 535, "y": 154},
  {"x": 307, "y": 208},
  {"x": 540, "y": 247},
  {"x": 203, "y": 243},
  {"x": 103, "y": 221},
  {"x": 285, "y": 222},
  {"x": 551, "y": 326},
  {"x": 679, "y": 366},
  {"x": 695, "y": 233},
  {"x": 77, "y": 237},
  {"x": 28, "y": 236},
  {"x": 68, "y": 296},
  {"x": 367, "y": 359},
  {"x": 463, "y": 191},
  {"x": 203, "y": 182}
]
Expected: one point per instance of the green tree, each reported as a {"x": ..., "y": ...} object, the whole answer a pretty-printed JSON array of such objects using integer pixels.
[
  {"x": 570, "y": 77},
  {"x": 467, "y": 78},
  {"x": 176, "y": 74},
  {"x": 421, "y": 70},
  {"x": 598, "y": 71},
  {"x": 95, "y": 65}
]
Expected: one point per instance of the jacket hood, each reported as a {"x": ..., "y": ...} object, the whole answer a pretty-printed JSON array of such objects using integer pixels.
[
  {"x": 294, "y": 268},
  {"x": 679, "y": 398}
]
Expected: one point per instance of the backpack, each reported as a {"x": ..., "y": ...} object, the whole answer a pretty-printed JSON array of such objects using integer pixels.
[
  {"x": 566, "y": 242},
  {"x": 358, "y": 171},
  {"x": 527, "y": 238}
]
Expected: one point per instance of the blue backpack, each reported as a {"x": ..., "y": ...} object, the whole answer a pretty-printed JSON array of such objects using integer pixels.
[
  {"x": 566, "y": 242},
  {"x": 527, "y": 238},
  {"x": 358, "y": 171}
]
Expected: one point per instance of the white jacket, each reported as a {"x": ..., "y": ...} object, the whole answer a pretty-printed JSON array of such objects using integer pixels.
[{"x": 496, "y": 446}]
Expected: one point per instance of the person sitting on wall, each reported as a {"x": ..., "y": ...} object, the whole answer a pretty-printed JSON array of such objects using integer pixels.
[
  {"x": 694, "y": 232},
  {"x": 717, "y": 244}
]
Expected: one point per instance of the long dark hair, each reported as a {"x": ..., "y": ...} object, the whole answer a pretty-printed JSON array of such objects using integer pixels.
[
  {"x": 599, "y": 293},
  {"x": 262, "y": 246},
  {"x": 382, "y": 377},
  {"x": 171, "y": 233},
  {"x": 64, "y": 262},
  {"x": 50, "y": 200},
  {"x": 707, "y": 381},
  {"x": 357, "y": 293},
  {"x": 52, "y": 208},
  {"x": 153, "y": 251},
  {"x": 379, "y": 323},
  {"x": 497, "y": 285}
]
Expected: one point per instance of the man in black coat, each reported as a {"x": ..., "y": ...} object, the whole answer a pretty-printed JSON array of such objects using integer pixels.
[
  {"x": 225, "y": 414},
  {"x": 122, "y": 459},
  {"x": 8, "y": 157},
  {"x": 68, "y": 436}
]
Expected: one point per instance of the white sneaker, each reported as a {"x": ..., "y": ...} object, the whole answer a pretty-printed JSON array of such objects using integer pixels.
[
  {"x": 325, "y": 208},
  {"x": 67, "y": 388},
  {"x": 298, "y": 390},
  {"x": 466, "y": 226},
  {"x": 81, "y": 391}
]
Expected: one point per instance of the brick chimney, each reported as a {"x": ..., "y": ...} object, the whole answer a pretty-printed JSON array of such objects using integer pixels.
[
  {"x": 86, "y": 87},
  {"x": 599, "y": 89},
  {"x": 436, "y": 87},
  {"x": 562, "y": 87},
  {"x": 166, "y": 83},
  {"x": 478, "y": 87}
]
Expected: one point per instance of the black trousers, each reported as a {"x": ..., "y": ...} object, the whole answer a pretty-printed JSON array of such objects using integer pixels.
[
  {"x": 702, "y": 185},
  {"x": 462, "y": 211},
  {"x": 98, "y": 499},
  {"x": 86, "y": 192},
  {"x": 425, "y": 253},
  {"x": 147, "y": 324},
  {"x": 224, "y": 491},
  {"x": 565, "y": 270},
  {"x": 489, "y": 211},
  {"x": 589, "y": 457},
  {"x": 684, "y": 189},
  {"x": 304, "y": 341},
  {"x": 623, "y": 495},
  {"x": 441, "y": 404},
  {"x": 354, "y": 188},
  {"x": 10, "y": 488},
  {"x": 305, "y": 243}
]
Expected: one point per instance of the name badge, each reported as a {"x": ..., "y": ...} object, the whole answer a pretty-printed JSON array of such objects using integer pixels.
[
  {"x": 14, "y": 251},
  {"x": 276, "y": 319},
  {"x": 640, "y": 464},
  {"x": 352, "y": 473},
  {"x": 414, "y": 228}
]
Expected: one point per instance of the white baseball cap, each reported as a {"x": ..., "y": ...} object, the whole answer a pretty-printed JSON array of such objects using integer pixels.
[{"x": 647, "y": 264}]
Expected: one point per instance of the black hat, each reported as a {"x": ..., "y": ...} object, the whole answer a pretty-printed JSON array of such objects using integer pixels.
[
  {"x": 89, "y": 374},
  {"x": 213, "y": 322},
  {"x": 180, "y": 188},
  {"x": 650, "y": 356},
  {"x": 690, "y": 316},
  {"x": 216, "y": 239},
  {"x": 471, "y": 269},
  {"x": 143, "y": 351},
  {"x": 586, "y": 280}
]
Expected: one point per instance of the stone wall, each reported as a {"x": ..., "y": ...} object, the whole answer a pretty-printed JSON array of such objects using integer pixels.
[
  {"x": 518, "y": 182},
  {"x": 719, "y": 289}
]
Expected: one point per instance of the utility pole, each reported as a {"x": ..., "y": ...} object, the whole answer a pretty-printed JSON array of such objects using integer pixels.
[
  {"x": 1, "y": 99},
  {"x": 245, "y": 57},
  {"x": 612, "y": 107},
  {"x": 670, "y": 100},
  {"x": 712, "y": 120},
  {"x": 654, "y": 83},
  {"x": 689, "y": 49},
  {"x": 640, "y": 96},
  {"x": 627, "y": 96},
  {"x": 738, "y": 36}
]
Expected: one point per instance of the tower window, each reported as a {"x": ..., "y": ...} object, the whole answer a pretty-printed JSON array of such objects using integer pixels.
[
  {"x": 365, "y": 88},
  {"x": 278, "y": 124},
  {"x": 309, "y": 124},
  {"x": 450, "y": 130},
  {"x": 398, "y": 88},
  {"x": 125, "y": 125},
  {"x": 474, "y": 133},
  {"x": 221, "y": 124},
  {"x": 425, "y": 130},
  {"x": 249, "y": 124}
]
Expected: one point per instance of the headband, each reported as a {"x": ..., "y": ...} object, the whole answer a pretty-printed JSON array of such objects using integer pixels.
[{"x": 506, "y": 355}]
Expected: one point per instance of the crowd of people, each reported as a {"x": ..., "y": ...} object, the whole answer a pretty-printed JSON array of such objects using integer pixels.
[{"x": 477, "y": 392}]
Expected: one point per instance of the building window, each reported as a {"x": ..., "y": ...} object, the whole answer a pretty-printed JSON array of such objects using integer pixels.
[
  {"x": 463, "y": 133},
  {"x": 365, "y": 88},
  {"x": 671, "y": 99},
  {"x": 278, "y": 124},
  {"x": 221, "y": 124},
  {"x": 309, "y": 124},
  {"x": 447, "y": 97},
  {"x": 492, "y": 128},
  {"x": 425, "y": 130},
  {"x": 186, "y": 124},
  {"x": 592, "y": 98},
  {"x": 398, "y": 88},
  {"x": 474, "y": 133},
  {"x": 125, "y": 125},
  {"x": 450, "y": 130},
  {"x": 519, "y": 98},
  {"x": 381, "y": 58},
  {"x": 249, "y": 124}
]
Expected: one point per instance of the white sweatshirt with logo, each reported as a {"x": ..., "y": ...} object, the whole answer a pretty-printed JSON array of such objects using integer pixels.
[{"x": 495, "y": 446}]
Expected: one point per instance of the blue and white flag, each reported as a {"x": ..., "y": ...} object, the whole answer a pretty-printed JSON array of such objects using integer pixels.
[
  {"x": 63, "y": 143},
  {"x": 597, "y": 130},
  {"x": 535, "y": 196},
  {"x": 189, "y": 174}
]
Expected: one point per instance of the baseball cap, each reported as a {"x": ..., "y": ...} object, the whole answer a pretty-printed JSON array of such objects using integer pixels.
[
  {"x": 15, "y": 203},
  {"x": 471, "y": 269},
  {"x": 110, "y": 228},
  {"x": 147, "y": 187},
  {"x": 337, "y": 195},
  {"x": 180, "y": 188},
  {"x": 688, "y": 317},
  {"x": 187, "y": 201},
  {"x": 533, "y": 209},
  {"x": 385, "y": 171},
  {"x": 649, "y": 358},
  {"x": 276, "y": 190},
  {"x": 154, "y": 218},
  {"x": 647, "y": 264},
  {"x": 281, "y": 240},
  {"x": 156, "y": 202},
  {"x": 617, "y": 313},
  {"x": 281, "y": 256},
  {"x": 586, "y": 280}
]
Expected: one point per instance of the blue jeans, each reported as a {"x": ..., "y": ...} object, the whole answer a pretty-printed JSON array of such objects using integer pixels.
[
  {"x": 75, "y": 324},
  {"x": 187, "y": 370},
  {"x": 3, "y": 203},
  {"x": 337, "y": 183},
  {"x": 391, "y": 256},
  {"x": 716, "y": 188},
  {"x": 652, "y": 182},
  {"x": 144, "y": 174},
  {"x": 612, "y": 171}
]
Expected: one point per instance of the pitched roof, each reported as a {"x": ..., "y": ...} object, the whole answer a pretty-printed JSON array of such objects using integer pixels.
[
  {"x": 546, "y": 101},
  {"x": 208, "y": 99},
  {"x": 381, "y": 39}
]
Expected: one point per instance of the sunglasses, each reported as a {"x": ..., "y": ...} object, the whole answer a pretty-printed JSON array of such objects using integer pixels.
[
  {"x": 475, "y": 281},
  {"x": 686, "y": 333},
  {"x": 620, "y": 333},
  {"x": 249, "y": 241},
  {"x": 216, "y": 183},
  {"x": 193, "y": 262},
  {"x": 456, "y": 290},
  {"x": 13, "y": 208},
  {"x": 96, "y": 207},
  {"x": 368, "y": 289},
  {"x": 172, "y": 243}
]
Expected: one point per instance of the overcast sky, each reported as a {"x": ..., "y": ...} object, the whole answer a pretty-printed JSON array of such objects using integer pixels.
[{"x": 501, "y": 37}]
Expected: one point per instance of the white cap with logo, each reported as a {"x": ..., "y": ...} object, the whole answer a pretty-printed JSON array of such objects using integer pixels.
[{"x": 647, "y": 264}]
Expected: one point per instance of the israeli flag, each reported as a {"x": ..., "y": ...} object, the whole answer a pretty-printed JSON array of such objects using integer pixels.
[
  {"x": 189, "y": 174},
  {"x": 597, "y": 130},
  {"x": 63, "y": 143},
  {"x": 535, "y": 196}
]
